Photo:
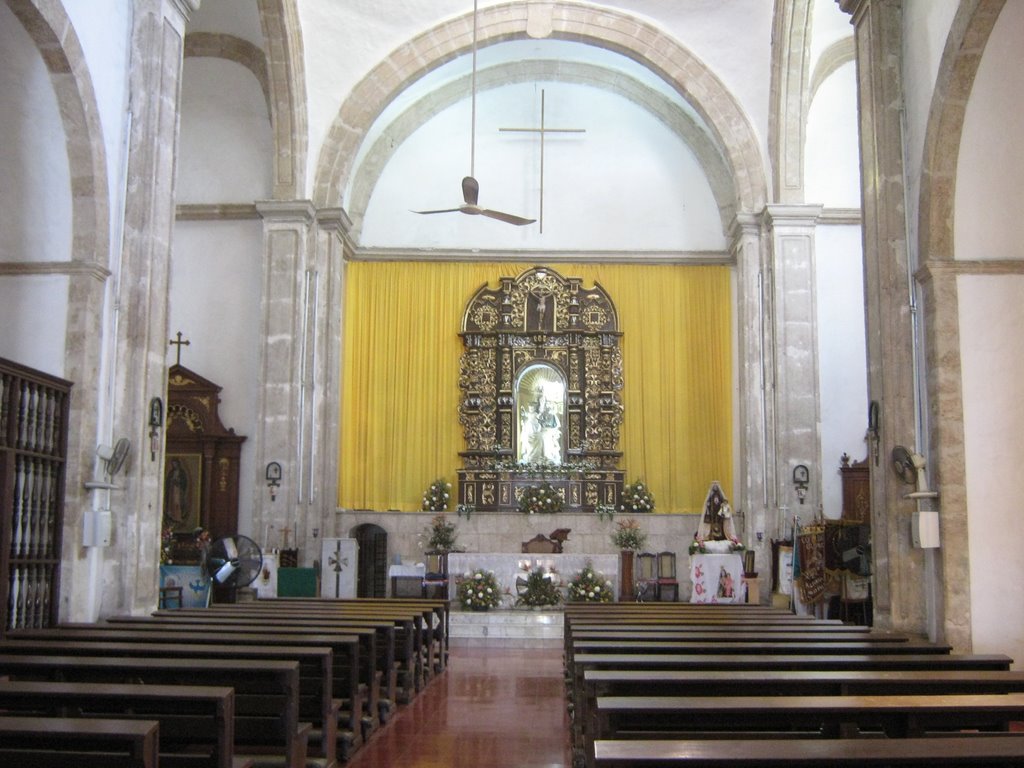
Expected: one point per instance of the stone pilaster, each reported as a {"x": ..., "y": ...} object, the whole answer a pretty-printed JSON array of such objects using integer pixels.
[
  {"x": 333, "y": 249},
  {"x": 288, "y": 396},
  {"x": 129, "y": 575},
  {"x": 755, "y": 473},
  {"x": 794, "y": 341},
  {"x": 787, "y": 131},
  {"x": 899, "y": 573}
]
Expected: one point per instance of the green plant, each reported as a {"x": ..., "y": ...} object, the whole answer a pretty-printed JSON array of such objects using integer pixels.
[
  {"x": 442, "y": 534},
  {"x": 540, "y": 499},
  {"x": 589, "y": 586},
  {"x": 628, "y": 535},
  {"x": 636, "y": 498},
  {"x": 540, "y": 589},
  {"x": 436, "y": 497},
  {"x": 478, "y": 591}
]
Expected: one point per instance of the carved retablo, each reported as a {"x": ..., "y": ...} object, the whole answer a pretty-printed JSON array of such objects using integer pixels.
[{"x": 541, "y": 380}]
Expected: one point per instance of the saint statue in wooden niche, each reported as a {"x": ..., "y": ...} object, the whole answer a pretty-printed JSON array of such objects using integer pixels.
[{"x": 540, "y": 397}]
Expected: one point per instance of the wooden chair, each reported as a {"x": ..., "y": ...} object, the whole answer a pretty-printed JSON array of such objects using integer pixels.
[
  {"x": 646, "y": 578},
  {"x": 668, "y": 586}
]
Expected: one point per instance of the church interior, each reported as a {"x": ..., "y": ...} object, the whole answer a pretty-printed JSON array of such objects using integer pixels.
[{"x": 275, "y": 271}]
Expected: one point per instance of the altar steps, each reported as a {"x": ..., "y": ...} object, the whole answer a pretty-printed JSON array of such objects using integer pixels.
[{"x": 505, "y": 628}]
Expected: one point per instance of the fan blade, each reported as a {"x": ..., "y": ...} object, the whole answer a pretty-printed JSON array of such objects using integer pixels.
[
  {"x": 508, "y": 218},
  {"x": 231, "y": 549},
  {"x": 442, "y": 210},
  {"x": 470, "y": 190}
]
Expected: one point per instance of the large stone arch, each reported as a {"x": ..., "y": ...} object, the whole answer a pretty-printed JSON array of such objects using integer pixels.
[
  {"x": 965, "y": 44},
  {"x": 50, "y": 28},
  {"x": 602, "y": 27},
  {"x": 286, "y": 83},
  {"x": 659, "y": 106}
]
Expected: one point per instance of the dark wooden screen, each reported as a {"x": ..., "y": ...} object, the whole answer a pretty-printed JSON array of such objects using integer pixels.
[
  {"x": 33, "y": 451},
  {"x": 372, "y": 578}
]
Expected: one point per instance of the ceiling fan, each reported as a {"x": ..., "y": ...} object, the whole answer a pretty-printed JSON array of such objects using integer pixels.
[{"x": 470, "y": 186}]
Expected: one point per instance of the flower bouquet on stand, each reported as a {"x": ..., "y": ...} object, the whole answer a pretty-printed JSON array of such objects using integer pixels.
[
  {"x": 589, "y": 586},
  {"x": 478, "y": 591},
  {"x": 441, "y": 534},
  {"x": 538, "y": 589}
]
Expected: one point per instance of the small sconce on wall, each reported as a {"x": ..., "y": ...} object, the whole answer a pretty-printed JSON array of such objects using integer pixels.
[
  {"x": 801, "y": 477},
  {"x": 273, "y": 478},
  {"x": 156, "y": 421}
]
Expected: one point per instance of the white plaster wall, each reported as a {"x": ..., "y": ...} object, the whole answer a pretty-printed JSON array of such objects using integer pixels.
[
  {"x": 225, "y": 145},
  {"x": 991, "y": 316},
  {"x": 732, "y": 38},
  {"x": 831, "y": 162},
  {"x": 240, "y": 18},
  {"x": 215, "y": 289},
  {"x": 33, "y": 316},
  {"x": 104, "y": 30},
  {"x": 35, "y": 196},
  {"x": 842, "y": 355},
  {"x": 989, "y": 220},
  {"x": 828, "y": 24},
  {"x": 626, "y": 183},
  {"x": 926, "y": 26}
]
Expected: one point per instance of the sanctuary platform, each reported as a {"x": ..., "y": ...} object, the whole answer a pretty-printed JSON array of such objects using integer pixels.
[{"x": 506, "y": 628}]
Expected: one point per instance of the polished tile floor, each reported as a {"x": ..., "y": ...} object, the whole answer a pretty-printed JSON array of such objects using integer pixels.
[{"x": 491, "y": 708}]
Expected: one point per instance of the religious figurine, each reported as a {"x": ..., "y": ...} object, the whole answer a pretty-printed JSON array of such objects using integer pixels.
[{"x": 716, "y": 524}]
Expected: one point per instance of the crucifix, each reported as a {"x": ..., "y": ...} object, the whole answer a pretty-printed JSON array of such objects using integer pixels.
[
  {"x": 543, "y": 130},
  {"x": 179, "y": 344}
]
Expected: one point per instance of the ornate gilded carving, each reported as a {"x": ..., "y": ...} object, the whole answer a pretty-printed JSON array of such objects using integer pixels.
[
  {"x": 540, "y": 318},
  {"x": 192, "y": 420}
]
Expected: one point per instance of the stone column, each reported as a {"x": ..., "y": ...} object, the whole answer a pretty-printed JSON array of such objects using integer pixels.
[
  {"x": 899, "y": 578},
  {"x": 130, "y": 574},
  {"x": 286, "y": 423},
  {"x": 794, "y": 341},
  {"x": 333, "y": 249},
  {"x": 755, "y": 476}
]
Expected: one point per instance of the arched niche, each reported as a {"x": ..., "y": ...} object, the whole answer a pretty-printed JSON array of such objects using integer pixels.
[
  {"x": 541, "y": 380},
  {"x": 540, "y": 407}
]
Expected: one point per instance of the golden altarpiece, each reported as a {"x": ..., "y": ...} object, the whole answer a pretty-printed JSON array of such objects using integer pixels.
[{"x": 540, "y": 381}]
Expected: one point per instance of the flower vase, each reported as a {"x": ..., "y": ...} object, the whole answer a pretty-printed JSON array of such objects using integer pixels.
[{"x": 626, "y": 558}]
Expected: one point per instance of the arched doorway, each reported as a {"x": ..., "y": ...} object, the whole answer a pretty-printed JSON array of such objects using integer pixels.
[{"x": 372, "y": 577}]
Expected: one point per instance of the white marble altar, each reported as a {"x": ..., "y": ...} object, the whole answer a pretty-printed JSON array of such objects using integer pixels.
[
  {"x": 507, "y": 566},
  {"x": 717, "y": 579}
]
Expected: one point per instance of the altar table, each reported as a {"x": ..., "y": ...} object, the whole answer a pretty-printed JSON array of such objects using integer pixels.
[
  {"x": 717, "y": 578},
  {"x": 507, "y": 566}
]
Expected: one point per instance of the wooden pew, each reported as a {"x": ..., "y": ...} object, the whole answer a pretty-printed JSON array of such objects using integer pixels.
[
  {"x": 805, "y": 645},
  {"x": 897, "y": 716},
  {"x": 657, "y": 664},
  {"x": 617, "y": 682},
  {"x": 421, "y": 652},
  {"x": 317, "y": 703},
  {"x": 266, "y": 691},
  {"x": 987, "y": 750},
  {"x": 376, "y": 648},
  {"x": 197, "y": 723},
  {"x": 371, "y": 659},
  {"x": 59, "y": 742}
]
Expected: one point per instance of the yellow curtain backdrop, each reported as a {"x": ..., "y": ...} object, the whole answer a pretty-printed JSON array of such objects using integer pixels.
[{"x": 400, "y": 371}]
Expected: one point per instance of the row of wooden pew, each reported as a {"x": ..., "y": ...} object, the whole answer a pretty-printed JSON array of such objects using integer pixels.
[
  {"x": 743, "y": 685},
  {"x": 292, "y": 683}
]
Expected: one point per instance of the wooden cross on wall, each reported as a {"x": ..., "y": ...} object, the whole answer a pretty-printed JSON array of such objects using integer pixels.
[
  {"x": 179, "y": 344},
  {"x": 543, "y": 130}
]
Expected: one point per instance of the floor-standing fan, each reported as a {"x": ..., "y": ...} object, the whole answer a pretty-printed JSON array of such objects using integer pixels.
[{"x": 231, "y": 563}]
